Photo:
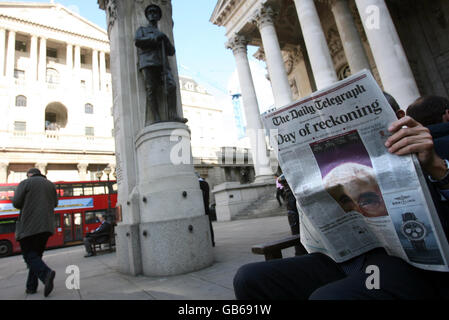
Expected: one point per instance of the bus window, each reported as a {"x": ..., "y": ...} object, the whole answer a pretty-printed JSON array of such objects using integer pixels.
[
  {"x": 57, "y": 220},
  {"x": 114, "y": 187},
  {"x": 65, "y": 190},
  {"x": 7, "y": 225},
  {"x": 7, "y": 192},
  {"x": 99, "y": 189},
  {"x": 78, "y": 190},
  {"x": 93, "y": 216},
  {"x": 88, "y": 189}
]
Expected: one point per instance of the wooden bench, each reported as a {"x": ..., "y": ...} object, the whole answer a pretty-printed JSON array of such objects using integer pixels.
[
  {"x": 273, "y": 250},
  {"x": 110, "y": 241}
]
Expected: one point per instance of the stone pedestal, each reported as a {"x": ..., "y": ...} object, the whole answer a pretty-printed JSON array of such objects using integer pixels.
[
  {"x": 165, "y": 230},
  {"x": 174, "y": 230}
]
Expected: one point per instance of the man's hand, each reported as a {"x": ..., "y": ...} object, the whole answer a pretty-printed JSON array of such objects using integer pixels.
[{"x": 409, "y": 136}]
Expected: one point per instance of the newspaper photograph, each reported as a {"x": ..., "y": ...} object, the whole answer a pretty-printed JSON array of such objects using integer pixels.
[{"x": 352, "y": 194}]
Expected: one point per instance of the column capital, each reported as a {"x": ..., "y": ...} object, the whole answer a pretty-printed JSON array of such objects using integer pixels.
[
  {"x": 264, "y": 16},
  {"x": 4, "y": 164},
  {"x": 237, "y": 43},
  {"x": 82, "y": 166}
]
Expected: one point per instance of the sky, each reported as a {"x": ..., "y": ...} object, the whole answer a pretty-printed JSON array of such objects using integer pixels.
[{"x": 200, "y": 47}]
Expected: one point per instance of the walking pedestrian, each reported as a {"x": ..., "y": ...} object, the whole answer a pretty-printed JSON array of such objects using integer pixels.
[{"x": 36, "y": 198}]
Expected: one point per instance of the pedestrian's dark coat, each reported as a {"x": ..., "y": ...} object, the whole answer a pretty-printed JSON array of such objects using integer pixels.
[{"x": 36, "y": 198}]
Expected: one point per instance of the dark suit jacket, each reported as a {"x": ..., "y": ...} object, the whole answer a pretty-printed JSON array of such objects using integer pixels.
[
  {"x": 102, "y": 233},
  {"x": 204, "y": 186}
]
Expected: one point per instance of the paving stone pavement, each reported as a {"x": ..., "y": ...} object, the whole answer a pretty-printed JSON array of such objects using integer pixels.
[{"x": 100, "y": 279}]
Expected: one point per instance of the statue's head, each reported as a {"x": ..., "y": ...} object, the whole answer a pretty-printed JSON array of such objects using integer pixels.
[{"x": 153, "y": 12}]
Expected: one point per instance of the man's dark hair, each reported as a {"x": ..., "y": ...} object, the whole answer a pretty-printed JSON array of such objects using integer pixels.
[
  {"x": 392, "y": 102},
  {"x": 153, "y": 6},
  {"x": 428, "y": 110},
  {"x": 34, "y": 171}
]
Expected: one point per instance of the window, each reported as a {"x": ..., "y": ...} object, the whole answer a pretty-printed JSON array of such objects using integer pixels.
[
  {"x": 20, "y": 126},
  {"x": 7, "y": 225},
  {"x": 52, "y": 53},
  {"x": 89, "y": 131},
  {"x": 93, "y": 217},
  {"x": 52, "y": 76},
  {"x": 57, "y": 220},
  {"x": 21, "y": 101},
  {"x": 83, "y": 59},
  {"x": 21, "y": 46},
  {"x": 88, "y": 108},
  {"x": 19, "y": 74}
]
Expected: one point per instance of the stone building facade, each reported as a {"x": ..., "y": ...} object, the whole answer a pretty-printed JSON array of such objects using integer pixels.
[
  {"x": 55, "y": 93},
  {"x": 309, "y": 44}
]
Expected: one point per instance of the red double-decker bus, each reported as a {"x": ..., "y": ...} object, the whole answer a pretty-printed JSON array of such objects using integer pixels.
[{"x": 80, "y": 204}]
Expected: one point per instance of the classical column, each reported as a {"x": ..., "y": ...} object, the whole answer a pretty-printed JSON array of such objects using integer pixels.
[
  {"x": 42, "y": 68},
  {"x": 316, "y": 45},
  {"x": 95, "y": 75},
  {"x": 275, "y": 63},
  {"x": 391, "y": 61},
  {"x": 77, "y": 66},
  {"x": 4, "y": 172},
  {"x": 69, "y": 60},
  {"x": 262, "y": 169},
  {"x": 2, "y": 51},
  {"x": 42, "y": 166},
  {"x": 32, "y": 72},
  {"x": 352, "y": 45},
  {"x": 82, "y": 171},
  {"x": 10, "y": 54},
  {"x": 103, "y": 71}
]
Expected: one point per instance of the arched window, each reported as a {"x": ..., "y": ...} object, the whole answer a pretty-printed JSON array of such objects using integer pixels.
[
  {"x": 88, "y": 108},
  {"x": 52, "y": 76},
  {"x": 21, "y": 101}
]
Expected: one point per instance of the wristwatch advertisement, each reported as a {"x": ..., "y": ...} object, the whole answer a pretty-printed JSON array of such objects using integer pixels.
[{"x": 414, "y": 230}]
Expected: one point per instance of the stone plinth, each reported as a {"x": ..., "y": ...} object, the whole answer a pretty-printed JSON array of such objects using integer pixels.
[{"x": 174, "y": 230}]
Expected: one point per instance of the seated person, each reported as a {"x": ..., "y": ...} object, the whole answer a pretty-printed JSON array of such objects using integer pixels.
[
  {"x": 316, "y": 276},
  {"x": 100, "y": 234}
]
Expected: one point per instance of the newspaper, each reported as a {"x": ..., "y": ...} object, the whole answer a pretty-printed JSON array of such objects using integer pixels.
[{"x": 352, "y": 194}]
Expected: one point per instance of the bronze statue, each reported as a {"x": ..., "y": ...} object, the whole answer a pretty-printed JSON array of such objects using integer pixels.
[{"x": 154, "y": 48}]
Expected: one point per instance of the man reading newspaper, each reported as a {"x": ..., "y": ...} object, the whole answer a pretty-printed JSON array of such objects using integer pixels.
[{"x": 372, "y": 194}]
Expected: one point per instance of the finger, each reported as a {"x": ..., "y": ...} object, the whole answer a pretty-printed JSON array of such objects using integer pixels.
[
  {"x": 407, "y": 147},
  {"x": 405, "y": 121},
  {"x": 412, "y": 133}
]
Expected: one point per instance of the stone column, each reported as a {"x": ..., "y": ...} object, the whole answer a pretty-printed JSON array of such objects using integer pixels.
[
  {"x": 42, "y": 166},
  {"x": 82, "y": 171},
  {"x": 32, "y": 72},
  {"x": 11, "y": 54},
  {"x": 2, "y": 51},
  {"x": 275, "y": 63},
  {"x": 77, "y": 65},
  {"x": 42, "y": 68},
  {"x": 95, "y": 74},
  {"x": 69, "y": 62},
  {"x": 103, "y": 71},
  {"x": 4, "y": 172},
  {"x": 316, "y": 45},
  {"x": 352, "y": 45},
  {"x": 391, "y": 61},
  {"x": 255, "y": 130},
  {"x": 164, "y": 229}
]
